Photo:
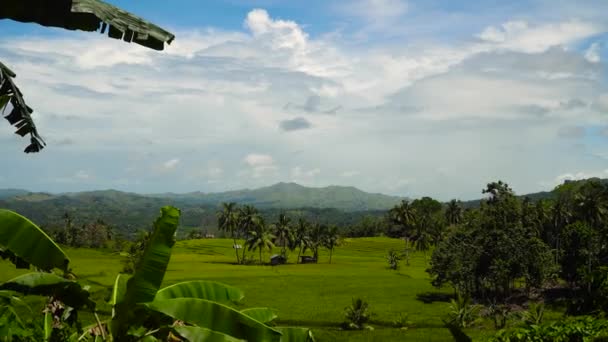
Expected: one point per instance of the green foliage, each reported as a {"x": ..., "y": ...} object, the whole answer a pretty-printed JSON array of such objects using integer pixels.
[
  {"x": 198, "y": 334},
  {"x": 461, "y": 312},
  {"x": 402, "y": 321},
  {"x": 142, "y": 287},
  {"x": 357, "y": 315},
  {"x": 491, "y": 249},
  {"x": 393, "y": 259},
  {"x": 583, "y": 328},
  {"x": 23, "y": 241},
  {"x": 534, "y": 315},
  {"x": 264, "y": 315},
  {"x": 216, "y": 317},
  {"x": 296, "y": 334},
  {"x": 202, "y": 289}
]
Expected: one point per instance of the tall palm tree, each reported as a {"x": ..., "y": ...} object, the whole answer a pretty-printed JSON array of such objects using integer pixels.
[
  {"x": 453, "y": 212},
  {"x": 283, "y": 232},
  {"x": 316, "y": 239},
  {"x": 301, "y": 236},
  {"x": 404, "y": 214},
  {"x": 248, "y": 216},
  {"x": 592, "y": 203},
  {"x": 331, "y": 240},
  {"x": 260, "y": 237},
  {"x": 228, "y": 221}
]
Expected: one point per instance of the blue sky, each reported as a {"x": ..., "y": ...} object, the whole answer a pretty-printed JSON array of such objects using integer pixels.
[{"x": 402, "y": 97}]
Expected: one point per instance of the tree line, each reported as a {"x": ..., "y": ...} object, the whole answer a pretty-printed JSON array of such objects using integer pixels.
[{"x": 246, "y": 224}]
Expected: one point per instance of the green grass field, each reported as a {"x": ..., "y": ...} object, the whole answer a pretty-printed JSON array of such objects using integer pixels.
[{"x": 311, "y": 295}]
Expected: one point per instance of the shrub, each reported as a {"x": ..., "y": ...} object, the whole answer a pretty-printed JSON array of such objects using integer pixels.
[
  {"x": 462, "y": 312},
  {"x": 357, "y": 315},
  {"x": 582, "y": 328},
  {"x": 393, "y": 259}
]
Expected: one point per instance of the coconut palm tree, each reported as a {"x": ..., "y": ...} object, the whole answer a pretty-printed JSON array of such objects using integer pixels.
[
  {"x": 316, "y": 239},
  {"x": 331, "y": 240},
  {"x": 90, "y": 15},
  {"x": 228, "y": 221},
  {"x": 248, "y": 218},
  {"x": 284, "y": 234},
  {"x": 260, "y": 237},
  {"x": 404, "y": 215},
  {"x": 301, "y": 236},
  {"x": 453, "y": 212}
]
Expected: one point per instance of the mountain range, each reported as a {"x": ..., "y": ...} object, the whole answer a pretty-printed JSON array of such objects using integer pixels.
[{"x": 130, "y": 212}]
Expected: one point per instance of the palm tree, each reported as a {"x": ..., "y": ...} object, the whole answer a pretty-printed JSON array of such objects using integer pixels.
[
  {"x": 301, "y": 236},
  {"x": 404, "y": 214},
  {"x": 248, "y": 216},
  {"x": 316, "y": 239},
  {"x": 73, "y": 15},
  {"x": 260, "y": 237},
  {"x": 453, "y": 212},
  {"x": 331, "y": 240},
  {"x": 592, "y": 203},
  {"x": 284, "y": 234},
  {"x": 228, "y": 221}
]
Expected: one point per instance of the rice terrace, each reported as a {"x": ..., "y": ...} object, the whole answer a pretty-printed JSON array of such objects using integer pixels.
[{"x": 301, "y": 171}]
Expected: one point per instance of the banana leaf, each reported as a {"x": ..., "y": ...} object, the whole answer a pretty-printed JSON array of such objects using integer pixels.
[
  {"x": 197, "y": 334},
  {"x": 209, "y": 290},
  {"x": 216, "y": 317},
  {"x": 264, "y": 315},
  {"x": 142, "y": 287},
  {"x": 51, "y": 285},
  {"x": 296, "y": 334},
  {"x": 119, "y": 290},
  {"x": 28, "y": 242}
]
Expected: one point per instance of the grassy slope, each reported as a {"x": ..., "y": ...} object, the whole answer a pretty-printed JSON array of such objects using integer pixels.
[{"x": 306, "y": 295}]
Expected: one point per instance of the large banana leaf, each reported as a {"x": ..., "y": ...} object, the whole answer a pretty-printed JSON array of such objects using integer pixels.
[
  {"x": 217, "y": 317},
  {"x": 142, "y": 287},
  {"x": 51, "y": 285},
  {"x": 197, "y": 334},
  {"x": 87, "y": 15},
  {"x": 146, "y": 281},
  {"x": 264, "y": 315},
  {"x": 28, "y": 242},
  {"x": 119, "y": 290},
  {"x": 296, "y": 335},
  {"x": 209, "y": 290}
]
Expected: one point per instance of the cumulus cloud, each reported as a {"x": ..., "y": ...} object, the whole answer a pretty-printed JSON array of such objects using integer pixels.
[{"x": 482, "y": 105}]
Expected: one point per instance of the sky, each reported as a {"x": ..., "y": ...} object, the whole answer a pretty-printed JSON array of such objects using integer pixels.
[{"x": 403, "y": 97}]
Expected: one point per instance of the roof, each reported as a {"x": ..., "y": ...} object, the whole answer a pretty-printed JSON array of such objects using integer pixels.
[{"x": 87, "y": 15}]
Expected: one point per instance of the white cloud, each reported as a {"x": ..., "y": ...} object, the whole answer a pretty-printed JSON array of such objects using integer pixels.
[
  {"x": 260, "y": 165},
  {"x": 171, "y": 164},
  {"x": 521, "y": 36},
  {"x": 593, "y": 53},
  {"x": 483, "y": 107},
  {"x": 579, "y": 175},
  {"x": 82, "y": 175}
]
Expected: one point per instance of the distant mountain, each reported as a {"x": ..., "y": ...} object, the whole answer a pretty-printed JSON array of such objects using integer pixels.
[
  {"x": 292, "y": 195},
  {"x": 130, "y": 212}
]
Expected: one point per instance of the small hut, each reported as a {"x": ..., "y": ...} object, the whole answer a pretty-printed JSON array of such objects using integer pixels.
[
  {"x": 277, "y": 259},
  {"x": 306, "y": 259}
]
